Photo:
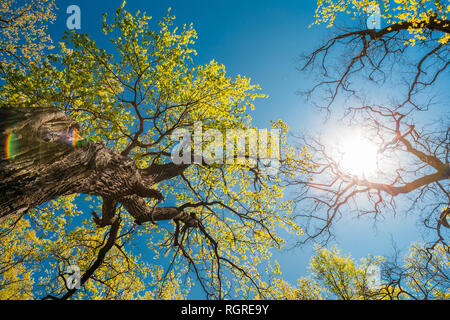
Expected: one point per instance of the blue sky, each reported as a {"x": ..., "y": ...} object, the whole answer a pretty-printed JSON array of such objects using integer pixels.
[{"x": 262, "y": 40}]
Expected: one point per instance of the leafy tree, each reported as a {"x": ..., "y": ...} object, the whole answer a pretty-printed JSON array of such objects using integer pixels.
[
  {"x": 86, "y": 127},
  {"x": 18, "y": 243},
  {"x": 23, "y": 36},
  {"x": 90, "y": 128},
  {"x": 306, "y": 288},
  {"x": 421, "y": 274},
  {"x": 341, "y": 275}
]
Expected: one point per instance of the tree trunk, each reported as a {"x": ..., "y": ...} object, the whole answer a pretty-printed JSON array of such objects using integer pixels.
[{"x": 43, "y": 157}]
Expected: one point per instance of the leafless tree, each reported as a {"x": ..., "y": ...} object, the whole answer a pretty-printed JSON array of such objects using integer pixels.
[{"x": 350, "y": 63}]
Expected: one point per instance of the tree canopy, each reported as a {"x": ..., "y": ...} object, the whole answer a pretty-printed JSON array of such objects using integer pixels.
[{"x": 124, "y": 105}]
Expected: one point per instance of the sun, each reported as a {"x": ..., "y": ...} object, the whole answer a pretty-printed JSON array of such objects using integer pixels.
[{"x": 358, "y": 155}]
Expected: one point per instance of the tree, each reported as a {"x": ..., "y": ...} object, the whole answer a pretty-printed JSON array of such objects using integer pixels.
[
  {"x": 341, "y": 276},
  {"x": 17, "y": 243},
  {"x": 357, "y": 68},
  {"x": 87, "y": 125},
  {"x": 23, "y": 32},
  {"x": 423, "y": 275},
  {"x": 420, "y": 275}
]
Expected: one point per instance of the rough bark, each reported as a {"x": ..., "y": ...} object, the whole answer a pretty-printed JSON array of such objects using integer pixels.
[{"x": 41, "y": 160}]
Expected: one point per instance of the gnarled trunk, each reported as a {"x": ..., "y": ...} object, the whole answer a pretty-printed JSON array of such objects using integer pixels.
[{"x": 44, "y": 157}]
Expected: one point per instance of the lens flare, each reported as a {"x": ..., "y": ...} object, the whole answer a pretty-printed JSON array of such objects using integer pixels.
[
  {"x": 11, "y": 146},
  {"x": 75, "y": 138},
  {"x": 70, "y": 137}
]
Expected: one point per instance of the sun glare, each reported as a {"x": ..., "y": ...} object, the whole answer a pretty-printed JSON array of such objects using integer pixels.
[{"x": 358, "y": 156}]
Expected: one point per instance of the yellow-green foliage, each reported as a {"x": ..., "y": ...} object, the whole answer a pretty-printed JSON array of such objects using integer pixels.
[
  {"x": 23, "y": 36},
  {"x": 423, "y": 274},
  {"x": 413, "y": 13},
  {"x": 341, "y": 275},
  {"x": 151, "y": 71},
  {"x": 37, "y": 249},
  {"x": 18, "y": 248},
  {"x": 279, "y": 289},
  {"x": 426, "y": 272}
]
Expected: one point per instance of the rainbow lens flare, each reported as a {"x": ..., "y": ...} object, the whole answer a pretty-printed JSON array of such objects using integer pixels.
[
  {"x": 11, "y": 146},
  {"x": 76, "y": 139}
]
